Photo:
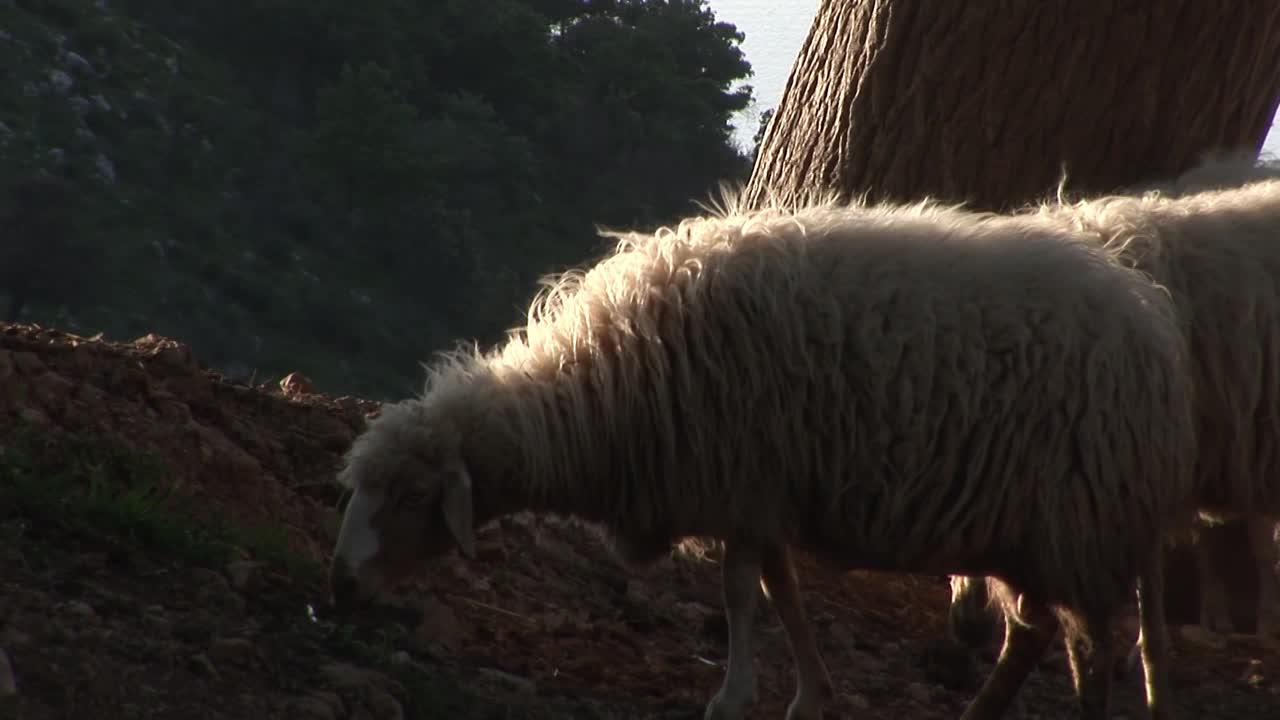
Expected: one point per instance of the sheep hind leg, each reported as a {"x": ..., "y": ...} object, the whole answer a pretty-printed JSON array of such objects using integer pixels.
[
  {"x": 1262, "y": 539},
  {"x": 1215, "y": 606},
  {"x": 813, "y": 682},
  {"x": 1022, "y": 649},
  {"x": 741, "y": 571},
  {"x": 1089, "y": 654},
  {"x": 1153, "y": 638}
]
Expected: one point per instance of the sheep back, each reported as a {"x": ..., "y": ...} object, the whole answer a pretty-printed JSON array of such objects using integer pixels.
[
  {"x": 910, "y": 388},
  {"x": 1217, "y": 252}
]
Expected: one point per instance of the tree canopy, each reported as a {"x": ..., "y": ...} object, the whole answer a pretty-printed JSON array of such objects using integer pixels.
[{"x": 344, "y": 188}]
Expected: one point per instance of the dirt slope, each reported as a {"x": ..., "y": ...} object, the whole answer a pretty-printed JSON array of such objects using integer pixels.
[{"x": 543, "y": 625}]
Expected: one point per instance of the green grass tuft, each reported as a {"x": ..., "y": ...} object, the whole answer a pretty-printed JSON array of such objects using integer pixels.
[{"x": 84, "y": 484}]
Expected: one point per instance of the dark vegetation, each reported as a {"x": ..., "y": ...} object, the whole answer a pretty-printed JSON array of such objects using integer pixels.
[{"x": 342, "y": 188}]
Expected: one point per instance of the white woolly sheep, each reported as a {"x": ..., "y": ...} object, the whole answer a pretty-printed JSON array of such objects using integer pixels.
[
  {"x": 1212, "y": 238},
  {"x": 916, "y": 389}
]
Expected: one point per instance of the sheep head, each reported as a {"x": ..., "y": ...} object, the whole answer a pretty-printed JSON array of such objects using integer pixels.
[{"x": 411, "y": 501}]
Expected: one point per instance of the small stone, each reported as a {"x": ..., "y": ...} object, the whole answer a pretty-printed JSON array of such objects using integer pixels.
[
  {"x": 346, "y": 675},
  {"x": 919, "y": 693},
  {"x": 246, "y": 575},
  {"x": 77, "y": 63},
  {"x": 202, "y": 664},
  {"x": 312, "y": 708},
  {"x": 385, "y": 707},
  {"x": 693, "y": 612},
  {"x": 33, "y": 416},
  {"x": 60, "y": 81},
  {"x": 858, "y": 702},
  {"x": 1201, "y": 636},
  {"x": 28, "y": 363},
  {"x": 237, "y": 650},
  {"x": 8, "y": 683},
  {"x": 80, "y": 609},
  {"x": 296, "y": 383},
  {"x": 400, "y": 658},
  {"x": 520, "y": 685},
  {"x": 440, "y": 630}
]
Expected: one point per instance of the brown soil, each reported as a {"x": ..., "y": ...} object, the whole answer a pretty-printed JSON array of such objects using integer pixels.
[{"x": 544, "y": 624}]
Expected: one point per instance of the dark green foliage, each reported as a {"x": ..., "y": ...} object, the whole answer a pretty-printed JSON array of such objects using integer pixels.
[{"x": 343, "y": 188}]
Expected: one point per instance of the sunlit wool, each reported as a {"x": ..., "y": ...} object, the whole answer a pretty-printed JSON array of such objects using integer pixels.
[{"x": 911, "y": 388}]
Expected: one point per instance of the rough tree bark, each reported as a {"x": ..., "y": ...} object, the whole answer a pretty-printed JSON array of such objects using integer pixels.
[{"x": 989, "y": 102}]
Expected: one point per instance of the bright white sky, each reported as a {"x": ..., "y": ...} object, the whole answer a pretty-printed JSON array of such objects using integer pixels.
[{"x": 775, "y": 30}]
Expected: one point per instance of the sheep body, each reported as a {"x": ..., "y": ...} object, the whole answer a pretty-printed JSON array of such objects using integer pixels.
[
  {"x": 908, "y": 388},
  {"x": 1211, "y": 237}
]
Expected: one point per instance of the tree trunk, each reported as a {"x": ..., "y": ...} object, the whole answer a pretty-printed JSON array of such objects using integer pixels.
[{"x": 989, "y": 102}]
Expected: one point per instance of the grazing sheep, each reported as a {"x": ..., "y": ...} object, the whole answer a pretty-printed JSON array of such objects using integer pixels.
[
  {"x": 1212, "y": 238},
  {"x": 915, "y": 388}
]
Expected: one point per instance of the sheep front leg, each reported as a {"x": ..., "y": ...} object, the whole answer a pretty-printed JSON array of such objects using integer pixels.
[
  {"x": 813, "y": 682},
  {"x": 1089, "y": 654},
  {"x": 741, "y": 573},
  {"x": 1023, "y": 647},
  {"x": 1153, "y": 638},
  {"x": 1215, "y": 607}
]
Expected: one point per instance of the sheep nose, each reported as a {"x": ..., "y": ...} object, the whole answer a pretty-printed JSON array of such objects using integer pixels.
[{"x": 344, "y": 586}]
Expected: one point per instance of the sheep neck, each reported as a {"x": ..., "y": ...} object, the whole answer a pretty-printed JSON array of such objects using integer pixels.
[{"x": 510, "y": 478}]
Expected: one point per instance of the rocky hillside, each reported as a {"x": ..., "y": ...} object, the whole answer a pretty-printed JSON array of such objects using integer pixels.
[{"x": 162, "y": 538}]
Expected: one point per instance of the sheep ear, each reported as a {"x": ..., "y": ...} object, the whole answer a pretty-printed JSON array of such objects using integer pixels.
[{"x": 458, "y": 514}]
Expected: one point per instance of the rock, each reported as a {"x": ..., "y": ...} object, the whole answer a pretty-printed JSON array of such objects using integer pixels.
[
  {"x": 858, "y": 702},
  {"x": 80, "y": 610},
  {"x": 695, "y": 613},
  {"x": 440, "y": 631},
  {"x": 60, "y": 81},
  {"x": 920, "y": 693},
  {"x": 296, "y": 383},
  {"x": 213, "y": 590},
  {"x": 313, "y": 708},
  {"x": 522, "y": 686},
  {"x": 79, "y": 105},
  {"x": 202, "y": 664},
  {"x": 330, "y": 700},
  {"x": 77, "y": 63},
  {"x": 1201, "y": 636},
  {"x": 51, "y": 390},
  {"x": 105, "y": 167},
  {"x": 28, "y": 363},
  {"x": 384, "y": 706},
  {"x": 246, "y": 575},
  {"x": 235, "y": 650},
  {"x": 34, "y": 416},
  {"x": 13, "y": 637},
  {"x": 8, "y": 683},
  {"x": 346, "y": 675},
  {"x": 949, "y": 664}
]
